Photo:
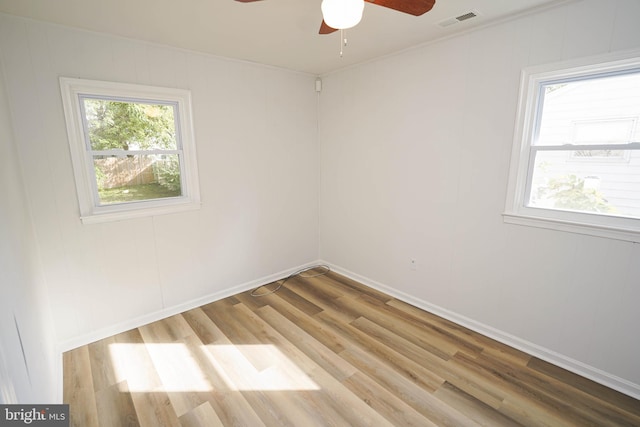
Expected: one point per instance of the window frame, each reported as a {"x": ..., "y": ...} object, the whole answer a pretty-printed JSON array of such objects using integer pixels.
[
  {"x": 73, "y": 91},
  {"x": 527, "y": 125}
]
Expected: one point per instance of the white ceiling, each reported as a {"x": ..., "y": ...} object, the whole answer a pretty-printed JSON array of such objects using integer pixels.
[{"x": 282, "y": 33}]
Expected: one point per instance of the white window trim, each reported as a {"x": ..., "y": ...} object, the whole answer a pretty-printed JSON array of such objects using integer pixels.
[
  {"x": 71, "y": 89},
  {"x": 516, "y": 212}
]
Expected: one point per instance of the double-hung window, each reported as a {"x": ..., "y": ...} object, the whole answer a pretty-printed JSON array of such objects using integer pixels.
[
  {"x": 576, "y": 155},
  {"x": 132, "y": 149}
]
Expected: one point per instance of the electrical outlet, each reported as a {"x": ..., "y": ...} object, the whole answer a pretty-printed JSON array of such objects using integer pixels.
[{"x": 413, "y": 264}]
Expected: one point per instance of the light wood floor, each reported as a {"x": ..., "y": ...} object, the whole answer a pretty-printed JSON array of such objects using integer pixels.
[{"x": 324, "y": 351}]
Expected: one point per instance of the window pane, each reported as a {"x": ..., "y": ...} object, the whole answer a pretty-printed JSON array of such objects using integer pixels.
[
  {"x": 603, "y": 110},
  {"x": 137, "y": 178},
  {"x": 120, "y": 125},
  {"x": 561, "y": 181}
]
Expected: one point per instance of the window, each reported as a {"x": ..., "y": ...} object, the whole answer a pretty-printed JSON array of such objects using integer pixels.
[
  {"x": 132, "y": 149},
  {"x": 576, "y": 156}
]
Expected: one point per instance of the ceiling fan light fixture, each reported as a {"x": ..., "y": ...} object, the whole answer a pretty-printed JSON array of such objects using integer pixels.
[{"x": 342, "y": 14}]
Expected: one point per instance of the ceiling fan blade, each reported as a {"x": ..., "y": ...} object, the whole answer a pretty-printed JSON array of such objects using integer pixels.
[
  {"x": 412, "y": 7},
  {"x": 325, "y": 29}
]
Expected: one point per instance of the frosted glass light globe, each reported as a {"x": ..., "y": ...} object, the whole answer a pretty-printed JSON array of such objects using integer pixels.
[{"x": 342, "y": 14}]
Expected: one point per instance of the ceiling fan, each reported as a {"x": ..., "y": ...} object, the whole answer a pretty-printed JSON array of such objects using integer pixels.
[{"x": 343, "y": 14}]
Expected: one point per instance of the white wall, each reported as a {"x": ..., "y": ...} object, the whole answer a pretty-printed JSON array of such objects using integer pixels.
[
  {"x": 255, "y": 130},
  {"x": 415, "y": 152},
  {"x": 25, "y": 316}
]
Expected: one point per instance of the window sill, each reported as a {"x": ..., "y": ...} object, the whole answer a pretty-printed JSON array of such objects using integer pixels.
[
  {"x": 598, "y": 230},
  {"x": 120, "y": 215}
]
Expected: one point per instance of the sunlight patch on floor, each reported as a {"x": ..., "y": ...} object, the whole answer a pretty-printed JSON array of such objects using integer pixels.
[
  {"x": 239, "y": 373},
  {"x": 172, "y": 367}
]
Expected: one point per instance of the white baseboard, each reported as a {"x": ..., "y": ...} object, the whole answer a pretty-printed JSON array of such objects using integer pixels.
[
  {"x": 555, "y": 358},
  {"x": 136, "y": 322}
]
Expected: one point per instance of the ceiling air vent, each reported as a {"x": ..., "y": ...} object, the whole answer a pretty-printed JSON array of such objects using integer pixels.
[{"x": 463, "y": 17}]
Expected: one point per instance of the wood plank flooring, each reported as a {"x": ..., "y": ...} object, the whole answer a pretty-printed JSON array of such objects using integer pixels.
[{"x": 324, "y": 351}]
